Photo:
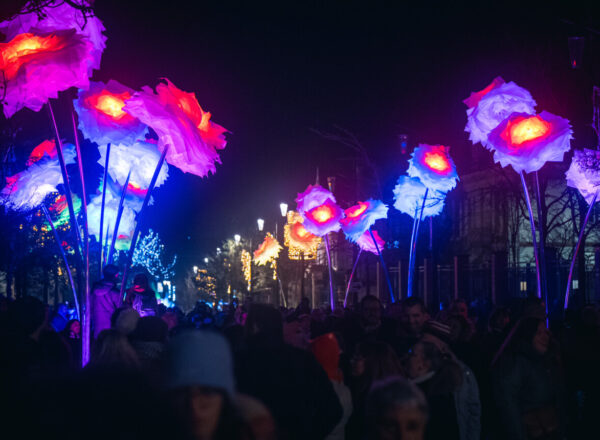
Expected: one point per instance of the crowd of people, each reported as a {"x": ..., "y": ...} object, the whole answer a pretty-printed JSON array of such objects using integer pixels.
[{"x": 253, "y": 371}]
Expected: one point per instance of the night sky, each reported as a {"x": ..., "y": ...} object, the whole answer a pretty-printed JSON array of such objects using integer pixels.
[{"x": 272, "y": 72}]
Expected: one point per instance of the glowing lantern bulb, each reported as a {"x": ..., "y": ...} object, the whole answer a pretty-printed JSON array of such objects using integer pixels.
[
  {"x": 322, "y": 214},
  {"x": 111, "y": 105},
  {"x": 301, "y": 231},
  {"x": 357, "y": 212},
  {"x": 436, "y": 161},
  {"x": 13, "y": 52},
  {"x": 527, "y": 129}
]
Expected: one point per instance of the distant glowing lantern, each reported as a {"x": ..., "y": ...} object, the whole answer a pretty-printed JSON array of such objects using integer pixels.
[
  {"x": 180, "y": 123},
  {"x": 584, "y": 173},
  {"x": 267, "y": 251},
  {"x": 360, "y": 217},
  {"x": 101, "y": 115},
  {"x": 408, "y": 198},
  {"x": 527, "y": 142},
  {"x": 319, "y": 209},
  {"x": 59, "y": 209},
  {"x": 490, "y": 106},
  {"x": 365, "y": 242},
  {"x": 260, "y": 223},
  {"x": 434, "y": 167},
  {"x": 301, "y": 243},
  {"x": 576, "y": 46}
]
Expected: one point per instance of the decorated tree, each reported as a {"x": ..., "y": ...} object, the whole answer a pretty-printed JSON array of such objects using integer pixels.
[{"x": 150, "y": 254}]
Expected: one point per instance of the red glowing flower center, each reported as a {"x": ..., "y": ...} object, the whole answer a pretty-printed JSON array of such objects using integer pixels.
[
  {"x": 357, "y": 210},
  {"x": 437, "y": 162},
  {"x": 525, "y": 129},
  {"x": 301, "y": 231},
  {"x": 13, "y": 53},
  {"x": 46, "y": 147},
  {"x": 322, "y": 214},
  {"x": 110, "y": 104}
]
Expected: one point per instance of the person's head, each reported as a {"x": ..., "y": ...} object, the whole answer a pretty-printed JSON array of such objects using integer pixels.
[
  {"x": 112, "y": 349},
  {"x": 125, "y": 320},
  {"x": 396, "y": 409},
  {"x": 73, "y": 329},
  {"x": 375, "y": 360},
  {"x": 424, "y": 358},
  {"x": 459, "y": 307},
  {"x": 264, "y": 320},
  {"x": 111, "y": 273},
  {"x": 140, "y": 281},
  {"x": 532, "y": 334},
  {"x": 499, "y": 319},
  {"x": 200, "y": 381},
  {"x": 370, "y": 311},
  {"x": 415, "y": 314}
]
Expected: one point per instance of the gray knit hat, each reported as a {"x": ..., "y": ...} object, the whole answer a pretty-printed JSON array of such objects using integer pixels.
[{"x": 202, "y": 358}]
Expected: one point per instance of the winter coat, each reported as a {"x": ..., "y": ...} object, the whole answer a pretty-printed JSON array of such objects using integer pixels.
[
  {"x": 105, "y": 300},
  {"x": 468, "y": 405},
  {"x": 293, "y": 386},
  {"x": 524, "y": 383}
]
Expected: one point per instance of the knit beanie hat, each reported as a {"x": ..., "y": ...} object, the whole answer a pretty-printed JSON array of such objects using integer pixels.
[{"x": 201, "y": 358}]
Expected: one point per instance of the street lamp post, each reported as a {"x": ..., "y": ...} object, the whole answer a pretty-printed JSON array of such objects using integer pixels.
[{"x": 260, "y": 223}]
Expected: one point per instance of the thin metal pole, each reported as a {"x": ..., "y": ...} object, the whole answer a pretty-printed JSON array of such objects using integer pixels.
[
  {"x": 385, "y": 271},
  {"x": 105, "y": 246},
  {"x": 533, "y": 240},
  {"x": 351, "y": 275},
  {"x": 413, "y": 247},
  {"x": 542, "y": 243},
  {"x": 104, "y": 182},
  {"x": 136, "y": 231},
  {"x": 118, "y": 220},
  {"x": 86, "y": 321},
  {"x": 331, "y": 301},
  {"x": 64, "y": 256},
  {"x": 581, "y": 232}
]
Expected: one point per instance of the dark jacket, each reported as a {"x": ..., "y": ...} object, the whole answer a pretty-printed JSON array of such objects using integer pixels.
[{"x": 293, "y": 386}]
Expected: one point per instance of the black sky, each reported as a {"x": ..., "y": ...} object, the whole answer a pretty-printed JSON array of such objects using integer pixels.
[{"x": 270, "y": 72}]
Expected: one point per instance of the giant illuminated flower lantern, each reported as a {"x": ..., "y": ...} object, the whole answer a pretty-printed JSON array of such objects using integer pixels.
[
  {"x": 180, "y": 124},
  {"x": 365, "y": 242},
  {"x": 111, "y": 208},
  {"x": 301, "y": 243},
  {"x": 360, "y": 217},
  {"x": 101, "y": 116},
  {"x": 140, "y": 158},
  {"x": 408, "y": 198},
  {"x": 46, "y": 148},
  {"x": 490, "y": 106},
  {"x": 584, "y": 173},
  {"x": 60, "y": 15},
  {"x": 28, "y": 189},
  {"x": 267, "y": 251},
  {"x": 36, "y": 66},
  {"x": 319, "y": 209},
  {"x": 434, "y": 167},
  {"x": 59, "y": 209},
  {"x": 527, "y": 142}
]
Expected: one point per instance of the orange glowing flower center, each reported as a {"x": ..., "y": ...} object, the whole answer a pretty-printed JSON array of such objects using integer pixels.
[
  {"x": 527, "y": 129},
  {"x": 111, "y": 104},
  {"x": 356, "y": 211},
  {"x": 12, "y": 54},
  {"x": 301, "y": 231},
  {"x": 322, "y": 214},
  {"x": 437, "y": 162}
]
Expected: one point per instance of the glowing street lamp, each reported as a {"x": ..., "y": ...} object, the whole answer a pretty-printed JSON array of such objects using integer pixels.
[
  {"x": 237, "y": 238},
  {"x": 206, "y": 260},
  {"x": 283, "y": 207},
  {"x": 195, "y": 269},
  {"x": 261, "y": 224}
]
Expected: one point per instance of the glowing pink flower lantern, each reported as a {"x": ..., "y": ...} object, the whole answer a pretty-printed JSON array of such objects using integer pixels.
[
  {"x": 319, "y": 209},
  {"x": 365, "y": 242},
  {"x": 434, "y": 167},
  {"x": 584, "y": 173},
  {"x": 527, "y": 142},
  {"x": 408, "y": 198},
  {"x": 28, "y": 189},
  {"x": 180, "y": 123},
  {"x": 36, "y": 67},
  {"x": 360, "y": 217},
  {"x": 490, "y": 106},
  {"x": 56, "y": 16},
  {"x": 102, "y": 118}
]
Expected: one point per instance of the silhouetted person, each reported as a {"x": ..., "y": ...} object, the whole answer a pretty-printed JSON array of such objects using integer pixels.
[
  {"x": 106, "y": 299},
  {"x": 141, "y": 297}
]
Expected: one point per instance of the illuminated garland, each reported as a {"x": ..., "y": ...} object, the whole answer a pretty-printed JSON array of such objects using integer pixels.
[
  {"x": 247, "y": 267},
  {"x": 149, "y": 255}
]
